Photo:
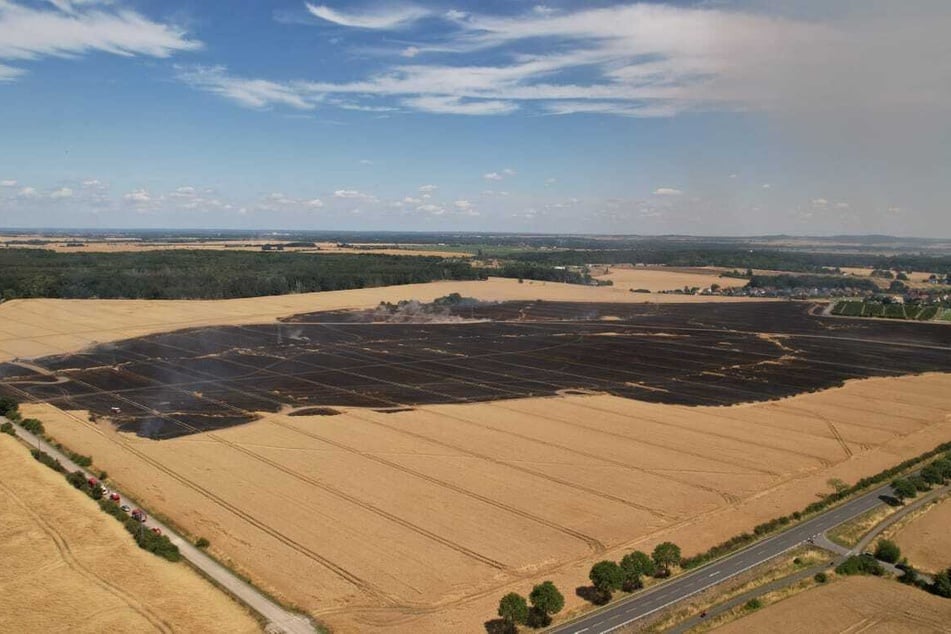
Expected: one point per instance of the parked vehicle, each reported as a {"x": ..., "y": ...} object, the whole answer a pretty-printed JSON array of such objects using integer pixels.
[
  {"x": 92, "y": 482},
  {"x": 126, "y": 508},
  {"x": 140, "y": 515},
  {"x": 156, "y": 530},
  {"x": 115, "y": 497}
]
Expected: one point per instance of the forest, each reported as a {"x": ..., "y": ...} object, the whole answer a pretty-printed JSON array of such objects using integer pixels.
[{"x": 196, "y": 274}]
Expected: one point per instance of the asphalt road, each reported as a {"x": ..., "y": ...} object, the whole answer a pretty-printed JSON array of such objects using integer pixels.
[
  {"x": 280, "y": 620},
  {"x": 646, "y": 603}
]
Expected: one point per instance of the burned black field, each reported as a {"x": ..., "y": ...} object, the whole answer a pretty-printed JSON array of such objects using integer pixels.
[{"x": 202, "y": 379}]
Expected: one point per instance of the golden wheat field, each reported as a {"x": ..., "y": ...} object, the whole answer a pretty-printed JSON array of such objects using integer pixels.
[
  {"x": 926, "y": 539},
  {"x": 68, "y": 567},
  {"x": 852, "y": 605},
  {"x": 419, "y": 520}
]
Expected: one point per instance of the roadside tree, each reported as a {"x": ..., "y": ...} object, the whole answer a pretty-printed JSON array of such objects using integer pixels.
[
  {"x": 638, "y": 563},
  {"x": 904, "y": 489},
  {"x": 513, "y": 609},
  {"x": 606, "y": 577},
  {"x": 666, "y": 554},
  {"x": 546, "y": 600}
]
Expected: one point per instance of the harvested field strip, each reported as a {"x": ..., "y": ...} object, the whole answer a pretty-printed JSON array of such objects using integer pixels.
[{"x": 62, "y": 546}]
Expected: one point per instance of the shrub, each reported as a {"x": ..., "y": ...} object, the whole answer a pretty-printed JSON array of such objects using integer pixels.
[
  {"x": 7, "y": 428},
  {"x": 201, "y": 542},
  {"x": 860, "y": 565},
  {"x": 33, "y": 426},
  {"x": 821, "y": 577},
  {"x": 942, "y": 584},
  {"x": 887, "y": 551},
  {"x": 753, "y": 604},
  {"x": 920, "y": 483},
  {"x": 48, "y": 460},
  {"x": 606, "y": 576}
]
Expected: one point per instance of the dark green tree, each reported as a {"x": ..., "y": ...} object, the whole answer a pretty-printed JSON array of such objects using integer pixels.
[
  {"x": 8, "y": 405},
  {"x": 887, "y": 551},
  {"x": 665, "y": 555},
  {"x": 606, "y": 577},
  {"x": 942, "y": 584},
  {"x": 546, "y": 600},
  {"x": 513, "y": 609},
  {"x": 638, "y": 563},
  {"x": 932, "y": 474},
  {"x": 903, "y": 489}
]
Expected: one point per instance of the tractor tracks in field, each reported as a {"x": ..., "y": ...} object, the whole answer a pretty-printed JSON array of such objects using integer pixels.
[{"x": 73, "y": 563}]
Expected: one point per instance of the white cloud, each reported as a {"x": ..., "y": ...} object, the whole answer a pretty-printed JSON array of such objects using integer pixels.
[
  {"x": 92, "y": 182},
  {"x": 463, "y": 205},
  {"x": 509, "y": 171},
  {"x": 428, "y": 188},
  {"x": 8, "y": 183},
  {"x": 410, "y": 51},
  {"x": 409, "y": 200},
  {"x": 456, "y": 105},
  {"x": 542, "y": 9},
  {"x": 732, "y": 175},
  {"x": 767, "y": 186},
  {"x": 353, "y": 194},
  {"x": 314, "y": 203},
  {"x": 456, "y": 15},
  {"x": 435, "y": 210},
  {"x": 820, "y": 202},
  {"x": 138, "y": 196},
  {"x": 390, "y": 18},
  {"x": 551, "y": 181},
  {"x": 252, "y": 93},
  {"x": 27, "y": 192},
  {"x": 70, "y": 29},
  {"x": 842, "y": 205},
  {"x": 62, "y": 192},
  {"x": 667, "y": 191},
  {"x": 492, "y": 176},
  {"x": 366, "y": 162}
]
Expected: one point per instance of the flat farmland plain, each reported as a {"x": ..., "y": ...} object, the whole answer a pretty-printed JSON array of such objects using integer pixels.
[
  {"x": 402, "y": 477},
  {"x": 853, "y": 605},
  {"x": 68, "y": 567},
  {"x": 926, "y": 539}
]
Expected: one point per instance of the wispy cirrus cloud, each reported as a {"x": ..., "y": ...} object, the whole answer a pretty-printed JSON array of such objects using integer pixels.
[
  {"x": 632, "y": 59},
  {"x": 386, "y": 18},
  {"x": 74, "y": 28}
]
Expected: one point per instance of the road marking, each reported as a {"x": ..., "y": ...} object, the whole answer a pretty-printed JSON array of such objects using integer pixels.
[
  {"x": 713, "y": 574},
  {"x": 581, "y": 630}
]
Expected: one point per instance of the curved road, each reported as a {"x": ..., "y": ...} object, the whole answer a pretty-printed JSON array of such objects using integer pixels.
[
  {"x": 279, "y": 619},
  {"x": 645, "y": 603}
]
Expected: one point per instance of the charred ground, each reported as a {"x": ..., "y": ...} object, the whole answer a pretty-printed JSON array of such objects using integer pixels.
[{"x": 202, "y": 379}]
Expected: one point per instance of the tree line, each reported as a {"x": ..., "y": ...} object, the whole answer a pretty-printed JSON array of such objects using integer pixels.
[{"x": 182, "y": 274}]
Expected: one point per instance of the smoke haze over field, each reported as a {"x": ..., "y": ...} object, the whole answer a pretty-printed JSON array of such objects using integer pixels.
[{"x": 737, "y": 117}]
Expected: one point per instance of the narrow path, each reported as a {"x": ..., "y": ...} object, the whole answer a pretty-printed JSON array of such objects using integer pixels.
[{"x": 279, "y": 619}]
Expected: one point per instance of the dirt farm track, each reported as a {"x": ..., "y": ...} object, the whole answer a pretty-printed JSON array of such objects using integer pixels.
[{"x": 402, "y": 477}]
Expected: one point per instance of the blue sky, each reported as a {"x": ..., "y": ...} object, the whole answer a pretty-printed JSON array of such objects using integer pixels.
[{"x": 598, "y": 117}]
